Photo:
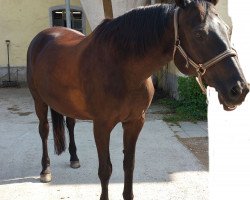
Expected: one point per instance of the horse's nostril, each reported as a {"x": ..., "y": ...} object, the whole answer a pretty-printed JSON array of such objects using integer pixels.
[{"x": 236, "y": 91}]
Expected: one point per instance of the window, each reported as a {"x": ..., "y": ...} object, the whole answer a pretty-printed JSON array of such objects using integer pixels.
[{"x": 59, "y": 19}]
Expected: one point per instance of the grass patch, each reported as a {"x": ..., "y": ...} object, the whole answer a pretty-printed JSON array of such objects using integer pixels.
[{"x": 191, "y": 105}]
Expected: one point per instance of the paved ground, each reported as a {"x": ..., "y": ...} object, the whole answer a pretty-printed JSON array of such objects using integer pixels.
[
  {"x": 165, "y": 168},
  {"x": 193, "y": 135}
]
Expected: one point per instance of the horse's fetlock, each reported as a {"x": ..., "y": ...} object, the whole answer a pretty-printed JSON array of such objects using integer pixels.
[{"x": 45, "y": 161}]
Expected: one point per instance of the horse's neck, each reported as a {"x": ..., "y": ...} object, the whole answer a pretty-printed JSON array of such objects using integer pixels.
[{"x": 142, "y": 68}]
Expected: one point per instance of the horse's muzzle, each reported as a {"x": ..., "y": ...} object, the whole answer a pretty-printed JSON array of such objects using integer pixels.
[{"x": 235, "y": 96}]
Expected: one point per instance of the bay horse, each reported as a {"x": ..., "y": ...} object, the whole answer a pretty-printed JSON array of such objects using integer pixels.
[{"x": 105, "y": 77}]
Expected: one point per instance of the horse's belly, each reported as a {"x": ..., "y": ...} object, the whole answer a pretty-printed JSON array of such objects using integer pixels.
[{"x": 70, "y": 103}]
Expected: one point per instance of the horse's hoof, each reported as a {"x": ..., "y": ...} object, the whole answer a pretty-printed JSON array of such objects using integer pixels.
[
  {"x": 45, "y": 178},
  {"x": 75, "y": 164}
]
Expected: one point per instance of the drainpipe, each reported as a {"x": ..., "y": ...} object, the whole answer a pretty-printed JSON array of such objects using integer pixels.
[
  {"x": 8, "y": 56},
  {"x": 68, "y": 18}
]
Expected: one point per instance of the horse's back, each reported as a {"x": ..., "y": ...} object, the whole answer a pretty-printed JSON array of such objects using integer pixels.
[
  {"x": 53, "y": 50},
  {"x": 58, "y": 36}
]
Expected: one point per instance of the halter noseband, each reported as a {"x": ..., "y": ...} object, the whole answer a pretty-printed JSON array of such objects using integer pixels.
[{"x": 200, "y": 68}]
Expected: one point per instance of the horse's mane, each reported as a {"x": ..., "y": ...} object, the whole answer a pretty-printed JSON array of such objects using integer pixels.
[{"x": 135, "y": 31}]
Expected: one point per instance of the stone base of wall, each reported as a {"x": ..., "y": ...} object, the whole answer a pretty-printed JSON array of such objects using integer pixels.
[
  {"x": 170, "y": 85},
  {"x": 16, "y": 74},
  {"x": 167, "y": 80}
]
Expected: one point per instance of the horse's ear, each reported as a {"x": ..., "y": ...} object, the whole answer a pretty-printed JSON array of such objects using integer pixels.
[
  {"x": 213, "y": 1},
  {"x": 182, "y": 3}
]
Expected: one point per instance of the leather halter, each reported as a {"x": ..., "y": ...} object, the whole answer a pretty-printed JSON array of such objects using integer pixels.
[{"x": 200, "y": 68}]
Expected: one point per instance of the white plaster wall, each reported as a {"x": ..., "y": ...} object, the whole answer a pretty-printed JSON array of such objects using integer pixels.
[
  {"x": 95, "y": 13},
  {"x": 229, "y": 132},
  {"x": 122, "y": 6},
  {"x": 222, "y": 7}
]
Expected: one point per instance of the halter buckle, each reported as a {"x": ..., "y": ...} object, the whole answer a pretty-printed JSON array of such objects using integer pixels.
[
  {"x": 201, "y": 70},
  {"x": 178, "y": 42}
]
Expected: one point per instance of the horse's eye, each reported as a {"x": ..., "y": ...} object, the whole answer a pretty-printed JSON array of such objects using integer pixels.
[{"x": 200, "y": 35}]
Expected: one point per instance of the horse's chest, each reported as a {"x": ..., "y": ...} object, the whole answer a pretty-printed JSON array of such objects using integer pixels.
[{"x": 138, "y": 101}]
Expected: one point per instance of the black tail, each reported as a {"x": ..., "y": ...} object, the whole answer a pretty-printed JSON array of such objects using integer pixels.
[{"x": 58, "y": 131}]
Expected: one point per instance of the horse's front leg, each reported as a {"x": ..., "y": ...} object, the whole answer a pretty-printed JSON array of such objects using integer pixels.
[
  {"x": 74, "y": 161},
  {"x": 102, "y": 132},
  {"x": 131, "y": 132}
]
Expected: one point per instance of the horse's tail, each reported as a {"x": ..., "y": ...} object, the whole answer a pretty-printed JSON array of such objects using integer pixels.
[{"x": 58, "y": 131}]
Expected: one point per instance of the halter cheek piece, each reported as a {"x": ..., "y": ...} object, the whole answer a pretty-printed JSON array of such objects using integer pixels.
[{"x": 200, "y": 68}]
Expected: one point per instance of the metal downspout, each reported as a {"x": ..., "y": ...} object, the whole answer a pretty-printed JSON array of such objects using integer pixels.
[{"x": 68, "y": 17}]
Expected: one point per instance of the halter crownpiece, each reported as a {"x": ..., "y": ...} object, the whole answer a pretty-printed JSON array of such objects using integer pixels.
[{"x": 200, "y": 68}]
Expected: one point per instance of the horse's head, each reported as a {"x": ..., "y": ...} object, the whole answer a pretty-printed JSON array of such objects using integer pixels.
[{"x": 203, "y": 49}]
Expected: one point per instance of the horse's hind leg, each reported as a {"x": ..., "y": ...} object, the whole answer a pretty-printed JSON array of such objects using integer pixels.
[
  {"x": 102, "y": 132},
  {"x": 74, "y": 161},
  {"x": 131, "y": 132},
  {"x": 42, "y": 112}
]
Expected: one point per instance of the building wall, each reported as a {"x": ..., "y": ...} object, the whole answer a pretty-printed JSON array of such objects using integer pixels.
[
  {"x": 20, "y": 21},
  {"x": 229, "y": 138},
  {"x": 222, "y": 8},
  {"x": 95, "y": 12}
]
